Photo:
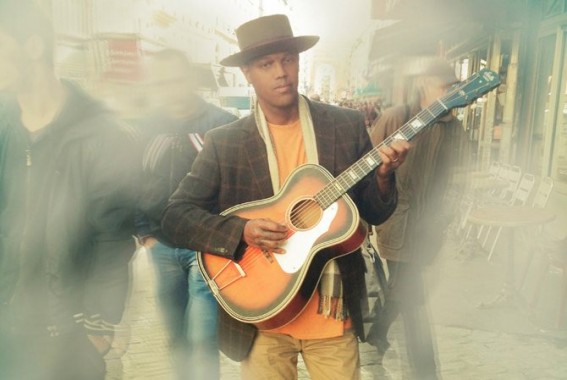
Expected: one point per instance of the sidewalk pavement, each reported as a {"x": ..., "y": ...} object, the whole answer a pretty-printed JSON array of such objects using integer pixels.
[{"x": 507, "y": 342}]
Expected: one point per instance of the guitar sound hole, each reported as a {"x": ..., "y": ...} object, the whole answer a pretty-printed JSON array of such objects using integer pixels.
[{"x": 305, "y": 214}]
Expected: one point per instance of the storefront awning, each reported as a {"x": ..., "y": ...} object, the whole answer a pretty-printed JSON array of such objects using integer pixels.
[{"x": 435, "y": 26}]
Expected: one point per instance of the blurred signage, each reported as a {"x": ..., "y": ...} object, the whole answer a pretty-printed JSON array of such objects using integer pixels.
[{"x": 119, "y": 58}]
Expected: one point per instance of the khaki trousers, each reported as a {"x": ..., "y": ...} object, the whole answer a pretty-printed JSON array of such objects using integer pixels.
[{"x": 274, "y": 356}]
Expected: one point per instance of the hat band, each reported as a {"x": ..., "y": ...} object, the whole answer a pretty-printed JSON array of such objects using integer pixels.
[{"x": 266, "y": 42}]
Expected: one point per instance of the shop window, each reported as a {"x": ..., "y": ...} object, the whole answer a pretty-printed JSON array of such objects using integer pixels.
[
  {"x": 543, "y": 119},
  {"x": 558, "y": 165}
]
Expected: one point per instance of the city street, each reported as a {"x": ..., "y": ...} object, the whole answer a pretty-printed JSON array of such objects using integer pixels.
[{"x": 508, "y": 342}]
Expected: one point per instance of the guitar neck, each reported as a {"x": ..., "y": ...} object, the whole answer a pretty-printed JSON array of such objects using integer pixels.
[
  {"x": 370, "y": 161},
  {"x": 460, "y": 95}
]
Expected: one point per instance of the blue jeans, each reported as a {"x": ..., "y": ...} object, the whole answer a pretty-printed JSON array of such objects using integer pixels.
[{"x": 190, "y": 313}]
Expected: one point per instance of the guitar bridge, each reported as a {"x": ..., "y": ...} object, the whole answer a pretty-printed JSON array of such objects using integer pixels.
[{"x": 236, "y": 275}]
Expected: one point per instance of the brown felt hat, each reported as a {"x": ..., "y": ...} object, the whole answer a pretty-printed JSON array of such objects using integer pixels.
[
  {"x": 433, "y": 67},
  {"x": 441, "y": 69},
  {"x": 266, "y": 35}
]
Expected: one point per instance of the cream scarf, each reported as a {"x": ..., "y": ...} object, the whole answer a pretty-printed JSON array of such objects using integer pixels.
[{"x": 330, "y": 285}]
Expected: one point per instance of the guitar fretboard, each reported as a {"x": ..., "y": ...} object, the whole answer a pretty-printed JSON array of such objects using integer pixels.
[
  {"x": 460, "y": 95},
  {"x": 356, "y": 172}
]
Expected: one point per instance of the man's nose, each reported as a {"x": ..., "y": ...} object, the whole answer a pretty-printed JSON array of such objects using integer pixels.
[{"x": 279, "y": 69}]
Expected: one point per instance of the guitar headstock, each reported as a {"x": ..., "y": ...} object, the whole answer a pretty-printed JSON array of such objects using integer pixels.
[{"x": 465, "y": 92}]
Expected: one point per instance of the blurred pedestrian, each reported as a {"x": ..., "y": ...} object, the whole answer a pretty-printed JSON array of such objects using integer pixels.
[
  {"x": 250, "y": 160},
  {"x": 173, "y": 138},
  {"x": 68, "y": 182},
  {"x": 413, "y": 235}
]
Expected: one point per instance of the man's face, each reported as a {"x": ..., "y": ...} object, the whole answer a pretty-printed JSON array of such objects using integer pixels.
[
  {"x": 435, "y": 88},
  {"x": 12, "y": 62},
  {"x": 171, "y": 86},
  {"x": 274, "y": 78}
]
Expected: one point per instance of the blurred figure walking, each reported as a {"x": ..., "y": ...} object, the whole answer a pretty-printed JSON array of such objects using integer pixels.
[
  {"x": 173, "y": 137},
  {"x": 68, "y": 183},
  {"x": 412, "y": 236}
]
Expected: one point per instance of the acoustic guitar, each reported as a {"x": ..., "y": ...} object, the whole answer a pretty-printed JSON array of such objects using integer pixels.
[{"x": 270, "y": 290}]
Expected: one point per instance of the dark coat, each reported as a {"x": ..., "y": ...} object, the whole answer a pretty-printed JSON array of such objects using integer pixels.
[
  {"x": 67, "y": 200},
  {"x": 170, "y": 147},
  {"x": 233, "y": 169},
  {"x": 415, "y": 230}
]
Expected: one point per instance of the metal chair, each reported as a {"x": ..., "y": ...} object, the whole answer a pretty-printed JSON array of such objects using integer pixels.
[
  {"x": 494, "y": 168},
  {"x": 519, "y": 198},
  {"x": 513, "y": 174},
  {"x": 543, "y": 192}
]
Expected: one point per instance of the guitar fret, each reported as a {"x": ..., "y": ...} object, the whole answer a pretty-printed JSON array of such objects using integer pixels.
[
  {"x": 432, "y": 114},
  {"x": 417, "y": 124},
  {"x": 352, "y": 174},
  {"x": 399, "y": 136},
  {"x": 346, "y": 181},
  {"x": 370, "y": 161},
  {"x": 360, "y": 170},
  {"x": 366, "y": 168},
  {"x": 442, "y": 104}
]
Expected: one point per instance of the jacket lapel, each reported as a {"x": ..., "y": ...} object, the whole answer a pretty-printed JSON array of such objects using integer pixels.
[
  {"x": 258, "y": 159},
  {"x": 325, "y": 135}
]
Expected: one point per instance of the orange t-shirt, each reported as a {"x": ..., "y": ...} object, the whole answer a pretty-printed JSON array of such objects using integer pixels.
[{"x": 290, "y": 153}]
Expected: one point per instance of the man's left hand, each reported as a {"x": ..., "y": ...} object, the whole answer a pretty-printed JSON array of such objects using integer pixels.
[{"x": 392, "y": 157}]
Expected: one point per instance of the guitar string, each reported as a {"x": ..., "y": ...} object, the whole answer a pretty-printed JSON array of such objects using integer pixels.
[{"x": 304, "y": 209}]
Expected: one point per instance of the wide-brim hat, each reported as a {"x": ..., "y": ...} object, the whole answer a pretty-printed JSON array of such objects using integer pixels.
[
  {"x": 434, "y": 67},
  {"x": 266, "y": 35}
]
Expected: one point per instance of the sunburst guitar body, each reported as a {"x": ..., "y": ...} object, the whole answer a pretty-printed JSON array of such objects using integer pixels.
[{"x": 270, "y": 289}]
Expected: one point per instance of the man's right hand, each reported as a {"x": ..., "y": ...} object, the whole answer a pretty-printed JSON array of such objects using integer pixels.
[{"x": 265, "y": 234}]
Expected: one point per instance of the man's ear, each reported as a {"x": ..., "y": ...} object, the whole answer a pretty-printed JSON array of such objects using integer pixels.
[{"x": 35, "y": 47}]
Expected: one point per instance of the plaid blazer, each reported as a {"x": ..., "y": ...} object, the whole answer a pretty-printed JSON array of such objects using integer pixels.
[{"x": 232, "y": 169}]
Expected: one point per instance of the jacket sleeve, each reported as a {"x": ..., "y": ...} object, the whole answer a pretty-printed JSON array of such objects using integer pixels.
[
  {"x": 113, "y": 182},
  {"x": 192, "y": 218}
]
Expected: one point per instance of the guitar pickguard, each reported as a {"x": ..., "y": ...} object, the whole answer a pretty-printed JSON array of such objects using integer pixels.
[{"x": 299, "y": 245}]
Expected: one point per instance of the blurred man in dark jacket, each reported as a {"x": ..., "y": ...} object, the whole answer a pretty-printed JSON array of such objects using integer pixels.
[
  {"x": 67, "y": 195},
  {"x": 174, "y": 136},
  {"x": 413, "y": 235}
]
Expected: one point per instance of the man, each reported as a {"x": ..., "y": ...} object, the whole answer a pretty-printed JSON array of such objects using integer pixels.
[
  {"x": 249, "y": 160},
  {"x": 413, "y": 235},
  {"x": 67, "y": 199},
  {"x": 175, "y": 135}
]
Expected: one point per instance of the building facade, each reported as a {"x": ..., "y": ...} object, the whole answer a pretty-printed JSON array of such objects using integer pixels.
[{"x": 524, "y": 121}]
